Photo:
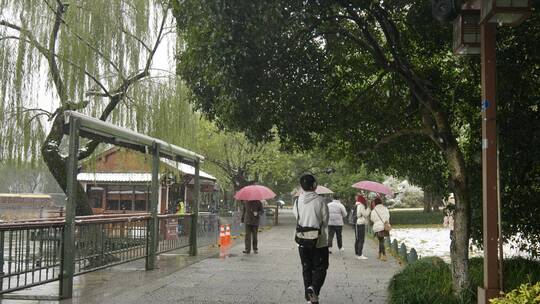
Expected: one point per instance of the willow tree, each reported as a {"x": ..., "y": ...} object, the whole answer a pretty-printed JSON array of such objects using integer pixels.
[{"x": 91, "y": 56}]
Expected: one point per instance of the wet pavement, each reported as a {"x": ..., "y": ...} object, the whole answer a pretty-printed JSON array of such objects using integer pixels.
[{"x": 272, "y": 276}]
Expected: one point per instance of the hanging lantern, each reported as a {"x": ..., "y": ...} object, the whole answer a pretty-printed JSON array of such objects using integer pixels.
[
  {"x": 505, "y": 12},
  {"x": 467, "y": 32}
]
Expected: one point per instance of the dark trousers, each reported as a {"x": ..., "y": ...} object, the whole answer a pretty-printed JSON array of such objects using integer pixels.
[
  {"x": 337, "y": 231},
  {"x": 251, "y": 233},
  {"x": 314, "y": 266},
  {"x": 360, "y": 233},
  {"x": 380, "y": 237}
]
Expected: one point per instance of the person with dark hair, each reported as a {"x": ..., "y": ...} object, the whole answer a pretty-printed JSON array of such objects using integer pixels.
[
  {"x": 379, "y": 216},
  {"x": 362, "y": 213},
  {"x": 251, "y": 214},
  {"x": 310, "y": 211}
]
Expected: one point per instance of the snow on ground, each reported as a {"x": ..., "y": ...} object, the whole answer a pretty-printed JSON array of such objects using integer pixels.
[{"x": 436, "y": 242}]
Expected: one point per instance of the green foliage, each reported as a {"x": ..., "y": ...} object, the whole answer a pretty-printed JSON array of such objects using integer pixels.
[
  {"x": 429, "y": 281},
  {"x": 525, "y": 294},
  {"x": 517, "y": 271},
  {"x": 425, "y": 281},
  {"x": 415, "y": 217},
  {"x": 256, "y": 65}
]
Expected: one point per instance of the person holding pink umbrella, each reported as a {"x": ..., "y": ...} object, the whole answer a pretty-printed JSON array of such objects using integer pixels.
[
  {"x": 251, "y": 214},
  {"x": 252, "y": 211}
]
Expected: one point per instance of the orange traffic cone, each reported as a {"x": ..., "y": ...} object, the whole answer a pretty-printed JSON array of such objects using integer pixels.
[
  {"x": 228, "y": 233},
  {"x": 222, "y": 240}
]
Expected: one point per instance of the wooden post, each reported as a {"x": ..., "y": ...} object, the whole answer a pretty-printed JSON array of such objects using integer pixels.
[
  {"x": 491, "y": 286},
  {"x": 153, "y": 237},
  {"x": 276, "y": 221},
  {"x": 68, "y": 238},
  {"x": 194, "y": 213}
]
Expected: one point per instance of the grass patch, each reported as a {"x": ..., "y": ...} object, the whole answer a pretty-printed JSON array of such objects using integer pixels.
[
  {"x": 415, "y": 218},
  {"x": 428, "y": 280}
]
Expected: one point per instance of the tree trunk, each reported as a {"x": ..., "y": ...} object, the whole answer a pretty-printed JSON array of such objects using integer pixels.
[
  {"x": 428, "y": 198},
  {"x": 436, "y": 202},
  {"x": 443, "y": 136},
  {"x": 57, "y": 164},
  {"x": 459, "y": 247}
]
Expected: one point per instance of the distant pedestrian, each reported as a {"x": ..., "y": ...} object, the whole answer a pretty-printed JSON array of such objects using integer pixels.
[
  {"x": 380, "y": 216},
  {"x": 337, "y": 212},
  {"x": 362, "y": 213},
  {"x": 311, "y": 215},
  {"x": 251, "y": 213}
]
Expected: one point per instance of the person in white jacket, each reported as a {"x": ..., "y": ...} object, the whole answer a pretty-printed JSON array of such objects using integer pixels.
[
  {"x": 380, "y": 215},
  {"x": 362, "y": 214},
  {"x": 310, "y": 210},
  {"x": 335, "y": 225}
]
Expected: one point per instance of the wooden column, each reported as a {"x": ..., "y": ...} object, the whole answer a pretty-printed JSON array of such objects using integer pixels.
[{"x": 490, "y": 207}]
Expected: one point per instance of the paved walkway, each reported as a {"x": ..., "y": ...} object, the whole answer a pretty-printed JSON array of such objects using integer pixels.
[{"x": 272, "y": 276}]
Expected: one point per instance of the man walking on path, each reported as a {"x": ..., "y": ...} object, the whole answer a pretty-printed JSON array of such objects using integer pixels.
[
  {"x": 251, "y": 214},
  {"x": 335, "y": 225},
  {"x": 311, "y": 211}
]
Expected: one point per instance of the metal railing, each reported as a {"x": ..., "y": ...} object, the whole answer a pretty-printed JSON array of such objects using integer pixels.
[
  {"x": 31, "y": 251},
  {"x": 30, "y": 254},
  {"x": 105, "y": 242}
]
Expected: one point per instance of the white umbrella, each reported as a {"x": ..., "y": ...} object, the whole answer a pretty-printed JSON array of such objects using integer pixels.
[{"x": 320, "y": 190}]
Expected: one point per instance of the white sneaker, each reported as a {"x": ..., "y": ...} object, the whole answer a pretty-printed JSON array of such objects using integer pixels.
[
  {"x": 341, "y": 249},
  {"x": 361, "y": 257}
]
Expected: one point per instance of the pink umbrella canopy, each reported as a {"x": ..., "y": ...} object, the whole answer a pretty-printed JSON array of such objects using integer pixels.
[
  {"x": 373, "y": 187},
  {"x": 254, "y": 193}
]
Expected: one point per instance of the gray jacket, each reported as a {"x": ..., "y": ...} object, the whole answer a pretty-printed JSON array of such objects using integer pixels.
[
  {"x": 337, "y": 213},
  {"x": 313, "y": 212}
]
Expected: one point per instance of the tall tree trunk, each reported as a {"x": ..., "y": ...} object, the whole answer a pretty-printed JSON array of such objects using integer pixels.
[
  {"x": 57, "y": 164},
  {"x": 428, "y": 198},
  {"x": 441, "y": 133},
  {"x": 459, "y": 247}
]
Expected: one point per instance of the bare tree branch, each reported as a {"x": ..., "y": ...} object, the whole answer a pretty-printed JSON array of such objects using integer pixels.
[
  {"x": 119, "y": 93},
  {"x": 88, "y": 43},
  {"x": 400, "y": 133},
  {"x": 128, "y": 33},
  {"x": 57, "y": 79},
  {"x": 30, "y": 37}
]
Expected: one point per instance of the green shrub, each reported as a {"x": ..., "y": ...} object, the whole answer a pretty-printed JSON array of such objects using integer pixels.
[
  {"x": 525, "y": 294},
  {"x": 427, "y": 280},
  {"x": 517, "y": 271},
  {"x": 415, "y": 217}
]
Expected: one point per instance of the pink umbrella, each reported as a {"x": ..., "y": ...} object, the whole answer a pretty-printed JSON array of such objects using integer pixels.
[
  {"x": 373, "y": 187},
  {"x": 254, "y": 193}
]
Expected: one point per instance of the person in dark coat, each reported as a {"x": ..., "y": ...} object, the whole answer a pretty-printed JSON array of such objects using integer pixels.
[{"x": 251, "y": 214}]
